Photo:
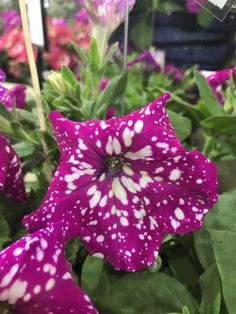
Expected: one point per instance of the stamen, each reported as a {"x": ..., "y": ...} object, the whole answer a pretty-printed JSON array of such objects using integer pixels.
[{"x": 113, "y": 165}]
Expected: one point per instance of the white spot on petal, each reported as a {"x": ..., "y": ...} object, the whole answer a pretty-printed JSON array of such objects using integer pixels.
[
  {"x": 138, "y": 126},
  {"x": 175, "y": 175},
  {"x": 124, "y": 221},
  {"x": 50, "y": 284},
  {"x": 100, "y": 238},
  {"x": 179, "y": 213}
]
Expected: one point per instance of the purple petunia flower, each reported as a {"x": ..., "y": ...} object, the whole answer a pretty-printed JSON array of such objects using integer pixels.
[
  {"x": 124, "y": 183},
  {"x": 11, "y": 180},
  {"x": 11, "y": 19},
  {"x": 35, "y": 278},
  {"x": 108, "y": 13},
  {"x": 10, "y": 96}
]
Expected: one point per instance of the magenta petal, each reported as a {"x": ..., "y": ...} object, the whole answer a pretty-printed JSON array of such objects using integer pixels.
[
  {"x": 219, "y": 78},
  {"x": 35, "y": 278},
  {"x": 6, "y": 97},
  {"x": 124, "y": 183},
  {"x": 2, "y": 76},
  {"x": 18, "y": 92},
  {"x": 11, "y": 180}
]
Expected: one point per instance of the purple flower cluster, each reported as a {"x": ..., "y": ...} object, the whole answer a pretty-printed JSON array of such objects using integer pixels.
[
  {"x": 11, "y": 19},
  {"x": 14, "y": 96}
]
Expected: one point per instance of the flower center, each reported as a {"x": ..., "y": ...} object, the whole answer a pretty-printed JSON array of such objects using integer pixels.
[{"x": 113, "y": 165}]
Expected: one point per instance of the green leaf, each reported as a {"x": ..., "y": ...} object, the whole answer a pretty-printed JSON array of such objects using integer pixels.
[
  {"x": 211, "y": 291},
  {"x": 203, "y": 247},
  {"x": 5, "y": 126},
  {"x": 97, "y": 278},
  {"x": 185, "y": 310},
  {"x": 68, "y": 75},
  {"x": 142, "y": 27},
  {"x": 154, "y": 293},
  {"x": 72, "y": 249},
  {"x": 223, "y": 215},
  {"x": 77, "y": 93},
  {"x": 182, "y": 267},
  {"x": 155, "y": 4},
  {"x": 225, "y": 253},
  {"x": 81, "y": 52},
  {"x": 207, "y": 95},
  {"x": 115, "y": 88},
  {"x": 220, "y": 125},
  {"x": 221, "y": 224},
  {"x": 6, "y": 114},
  {"x": 169, "y": 6},
  {"x": 27, "y": 116},
  {"x": 94, "y": 57},
  {"x": 24, "y": 149},
  {"x": 110, "y": 53},
  {"x": 182, "y": 125},
  {"x": 204, "y": 18},
  {"x": 4, "y": 231}
]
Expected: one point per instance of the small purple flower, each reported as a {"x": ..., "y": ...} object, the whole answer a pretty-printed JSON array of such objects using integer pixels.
[
  {"x": 219, "y": 81},
  {"x": 11, "y": 19},
  {"x": 110, "y": 113},
  {"x": 35, "y": 278},
  {"x": 193, "y": 7},
  {"x": 103, "y": 84},
  {"x": 124, "y": 183},
  {"x": 82, "y": 16},
  {"x": 219, "y": 78},
  {"x": 11, "y": 180},
  {"x": 176, "y": 74},
  {"x": 153, "y": 60}
]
